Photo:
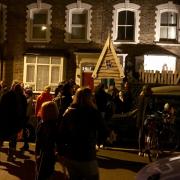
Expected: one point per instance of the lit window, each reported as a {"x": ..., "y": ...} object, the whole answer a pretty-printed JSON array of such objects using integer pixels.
[
  {"x": 40, "y": 71},
  {"x": 78, "y": 23},
  {"x": 168, "y": 29},
  {"x": 167, "y": 23},
  {"x": 126, "y": 22},
  {"x": 159, "y": 63},
  {"x": 38, "y": 24},
  {"x": 88, "y": 68},
  {"x": 2, "y": 22}
]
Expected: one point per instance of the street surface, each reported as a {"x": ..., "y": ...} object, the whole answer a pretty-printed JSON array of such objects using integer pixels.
[{"x": 121, "y": 164}]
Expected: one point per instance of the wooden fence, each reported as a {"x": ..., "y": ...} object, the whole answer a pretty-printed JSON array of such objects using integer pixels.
[{"x": 165, "y": 77}]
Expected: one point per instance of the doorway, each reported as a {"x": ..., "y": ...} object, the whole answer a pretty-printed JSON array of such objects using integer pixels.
[{"x": 87, "y": 80}]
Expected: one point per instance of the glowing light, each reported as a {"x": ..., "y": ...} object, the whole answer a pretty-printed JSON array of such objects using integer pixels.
[
  {"x": 43, "y": 28},
  {"x": 159, "y": 63},
  {"x": 174, "y": 158}
]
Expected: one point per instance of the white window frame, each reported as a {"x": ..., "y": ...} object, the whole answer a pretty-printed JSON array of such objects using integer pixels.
[
  {"x": 34, "y": 8},
  {"x": 3, "y": 11},
  {"x": 127, "y": 6},
  {"x": 78, "y": 8},
  {"x": 167, "y": 7},
  {"x": 33, "y": 84}
]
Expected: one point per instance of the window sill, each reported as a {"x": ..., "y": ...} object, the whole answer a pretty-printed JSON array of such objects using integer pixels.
[
  {"x": 167, "y": 44},
  {"x": 124, "y": 42},
  {"x": 37, "y": 41},
  {"x": 77, "y": 41}
]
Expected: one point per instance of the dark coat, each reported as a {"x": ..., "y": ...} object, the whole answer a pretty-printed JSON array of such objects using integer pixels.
[
  {"x": 78, "y": 133},
  {"x": 45, "y": 149},
  {"x": 63, "y": 102},
  {"x": 13, "y": 113}
]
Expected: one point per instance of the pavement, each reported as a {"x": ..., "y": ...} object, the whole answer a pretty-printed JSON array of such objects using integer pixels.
[{"x": 114, "y": 163}]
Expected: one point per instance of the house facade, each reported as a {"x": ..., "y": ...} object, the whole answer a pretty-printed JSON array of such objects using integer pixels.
[{"x": 43, "y": 42}]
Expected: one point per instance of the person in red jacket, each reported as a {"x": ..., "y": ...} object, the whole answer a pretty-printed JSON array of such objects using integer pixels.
[{"x": 43, "y": 97}]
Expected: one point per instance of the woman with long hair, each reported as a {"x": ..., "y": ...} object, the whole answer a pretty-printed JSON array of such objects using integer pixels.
[{"x": 77, "y": 136}]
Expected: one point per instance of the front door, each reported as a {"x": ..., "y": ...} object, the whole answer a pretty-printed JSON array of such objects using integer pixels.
[{"x": 87, "y": 79}]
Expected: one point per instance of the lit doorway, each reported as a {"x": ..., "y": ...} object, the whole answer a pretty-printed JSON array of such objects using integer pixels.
[{"x": 87, "y": 80}]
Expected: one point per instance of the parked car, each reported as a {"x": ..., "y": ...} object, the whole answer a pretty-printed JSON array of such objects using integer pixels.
[
  {"x": 166, "y": 168},
  {"x": 163, "y": 169},
  {"x": 171, "y": 95}
]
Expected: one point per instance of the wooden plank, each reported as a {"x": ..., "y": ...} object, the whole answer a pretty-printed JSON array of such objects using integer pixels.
[
  {"x": 155, "y": 77},
  {"x": 165, "y": 77},
  {"x": 162, "y": 78},
  {"x": 159, "y": 78},
  {"x": 151, "y": 76},
  {"x": 172, "y": 78},
  {"x": 169, "y": 77},
  {"x": 175, "y": 76},
  {"x": 177, "y": 79}
]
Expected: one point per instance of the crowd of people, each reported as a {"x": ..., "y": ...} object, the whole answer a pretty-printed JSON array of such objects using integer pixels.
[{"x": 71, "y": 123}]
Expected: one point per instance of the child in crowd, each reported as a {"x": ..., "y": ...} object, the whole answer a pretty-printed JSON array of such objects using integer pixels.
[{"x": 45, "y": 141}]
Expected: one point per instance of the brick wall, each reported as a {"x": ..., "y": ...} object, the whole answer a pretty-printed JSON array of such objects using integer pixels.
[{"x": 15, "y": 44}]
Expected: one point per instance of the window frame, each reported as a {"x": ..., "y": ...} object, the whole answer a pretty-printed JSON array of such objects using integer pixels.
[
  {"x": 36, "y": 64},
  {"x": 125, "y": 25},
  {"x": 32, "y": 9},
  {"x": 108, "y": 82},
  {"x": 78, "y": 25},
  {"x": 167, "y": 25},
  {"x": 162, "y": 8},
  {"x": 126, "y": 7},
  {"x": 78, "y": 8},
  {"x": 3, "y": 12}
]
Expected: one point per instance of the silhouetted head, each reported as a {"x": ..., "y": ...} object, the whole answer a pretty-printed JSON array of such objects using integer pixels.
[
  {"x": 49, "y": 111},
  {"x": 83, "y": 97}
]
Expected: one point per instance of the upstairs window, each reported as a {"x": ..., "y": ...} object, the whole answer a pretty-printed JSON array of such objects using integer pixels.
[
  {"x": 126, "y": 22},
  {"x": 168, "y": 28},
  {"x": 125, "y": 26},
  {"x": 78, "y": 28},
  {"x": 167, "y": 23},
  {"x": 38, "y": 25},
  {"x": 78, "y": 23},
  {"x": 2, "y": 22}
]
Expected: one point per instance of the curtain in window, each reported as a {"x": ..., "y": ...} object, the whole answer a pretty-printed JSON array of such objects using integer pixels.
[{"x": 42, "y": 77}]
